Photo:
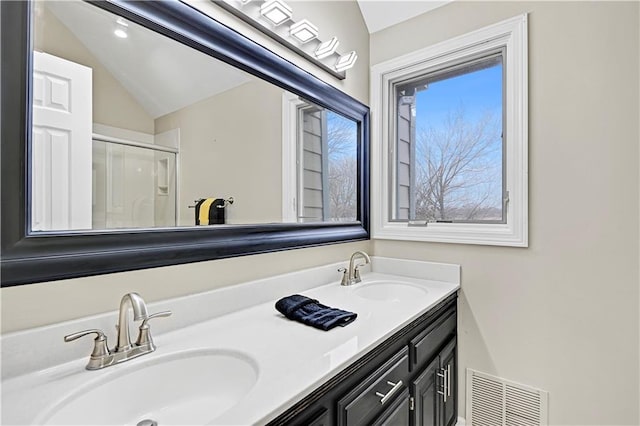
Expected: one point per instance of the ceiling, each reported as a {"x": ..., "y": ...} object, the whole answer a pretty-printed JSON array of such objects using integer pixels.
[
  {"x": 194, "y": 76},
  {"x": 381, "y": 14}
]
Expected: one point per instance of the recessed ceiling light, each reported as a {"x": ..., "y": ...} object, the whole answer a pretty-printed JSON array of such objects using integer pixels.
[
  {"x": 121, "y": 28},
  {"x": 276, "y": 11},
  {"x": 303, "y": 31},
  {"x": 346, "y": 61},
  {"x": 121, "y": 33},
  {"x": 326, "y": 48}
]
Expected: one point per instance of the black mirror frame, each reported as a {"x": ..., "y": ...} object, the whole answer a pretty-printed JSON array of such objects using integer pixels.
[{"x": 46, "y": 256}]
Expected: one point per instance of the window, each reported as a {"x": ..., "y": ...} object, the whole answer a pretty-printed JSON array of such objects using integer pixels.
[
  {"x": 319, "y": 163},
  {"x": 326, "y": 163},
  {"x": 450, "y": 140}
]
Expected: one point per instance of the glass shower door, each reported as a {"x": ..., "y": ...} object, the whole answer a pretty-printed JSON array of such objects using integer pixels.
[{"x": 133, "y": 186}]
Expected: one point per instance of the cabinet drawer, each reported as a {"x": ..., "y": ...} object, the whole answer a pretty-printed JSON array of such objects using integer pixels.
[
  {"x": 397, "y": 413},
  {"x": 364, "y": 402},
  {"x": 426, "y": 345}
]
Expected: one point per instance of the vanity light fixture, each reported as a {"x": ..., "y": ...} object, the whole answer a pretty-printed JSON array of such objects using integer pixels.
[
  {"x": 120, "y": 30},
  {"x": 303, "y": 31},
  {"x": 274, "y": 18},
  {"x": 326, "y": 48},
  {"x": 346, "y": 61},
  {"x": 276, "y": 11}
]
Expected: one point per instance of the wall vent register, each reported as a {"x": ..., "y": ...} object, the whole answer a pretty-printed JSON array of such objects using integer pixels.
[{"x": 493, "y": 401}]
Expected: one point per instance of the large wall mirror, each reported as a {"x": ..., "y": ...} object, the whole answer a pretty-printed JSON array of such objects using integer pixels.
[{"x": 141, "y": 134}]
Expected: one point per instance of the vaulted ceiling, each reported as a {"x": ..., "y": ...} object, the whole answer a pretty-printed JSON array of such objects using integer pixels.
[
  {"x": 380, "y": 14},
  {"x": 145, "y": 61}
]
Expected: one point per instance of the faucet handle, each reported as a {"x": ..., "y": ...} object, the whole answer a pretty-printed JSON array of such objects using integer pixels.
[
  {"x": 356, "y": 272},
  {"x": 156, "y": 315},
  {"x": 345, "y": 276},
  {"x": 144, "y": 335},
  {"x": 100, "y": 348}
]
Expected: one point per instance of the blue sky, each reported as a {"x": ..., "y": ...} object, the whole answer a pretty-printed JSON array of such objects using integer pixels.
[{"x": 476, "y": 92}]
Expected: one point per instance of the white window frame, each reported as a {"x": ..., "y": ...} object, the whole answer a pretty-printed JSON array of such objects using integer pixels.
[
  {"x": 290, "y": 104},
  {"x": 510, "y": 35}
]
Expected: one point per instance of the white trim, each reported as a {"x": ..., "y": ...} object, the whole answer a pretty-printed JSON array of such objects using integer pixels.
[
  {"x": 119, "y": 141},
  {"x": 290, "y": 104},
  {"x": 511, "y": 35},
  {"x": 120, "y": 133}
]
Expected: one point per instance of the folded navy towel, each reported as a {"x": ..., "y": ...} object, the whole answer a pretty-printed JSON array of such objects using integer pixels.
[{"x": 310, "y": 312}]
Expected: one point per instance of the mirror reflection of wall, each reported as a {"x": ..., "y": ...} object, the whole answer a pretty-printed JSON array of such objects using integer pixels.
[{"x": 132, "y": 128}]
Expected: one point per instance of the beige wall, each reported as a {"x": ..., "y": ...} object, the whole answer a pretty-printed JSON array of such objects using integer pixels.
[
  {"x": 340, "y": 18},
  {"x": 112, "y": 103},
  {"x": 231, "y": 146},
  {"x": 561, "y": 315},
  {"x": 46, "y": 303}
]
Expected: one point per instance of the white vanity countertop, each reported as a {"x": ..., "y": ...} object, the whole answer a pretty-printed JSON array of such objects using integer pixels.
[{"x": 291, "y": 359}]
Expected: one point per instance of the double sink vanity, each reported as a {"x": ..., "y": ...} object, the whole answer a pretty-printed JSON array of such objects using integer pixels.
[{"x": 228, "y": 357}]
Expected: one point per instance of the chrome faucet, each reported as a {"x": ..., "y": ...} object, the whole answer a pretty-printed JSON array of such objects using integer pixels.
[
  {"x": 102, "y": 356},
  {"x": 352, "y": 275},
  {"x": 139, "y": 312}
]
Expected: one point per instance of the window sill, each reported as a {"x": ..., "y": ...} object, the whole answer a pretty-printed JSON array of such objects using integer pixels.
[{"x": 459, "y": 233}]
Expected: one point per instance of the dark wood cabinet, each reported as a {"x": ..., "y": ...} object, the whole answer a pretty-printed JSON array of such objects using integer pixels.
[
  {"x": 371, "y": 396},
  {"x": 398, "y": 413},
  {"x": 319, "y": 417},
  {"x": 449, "y": 395},
  {"x": 434, "y": 392},
  {"x": 425, "y": 396},
  {"x": 409, "y": 379}
]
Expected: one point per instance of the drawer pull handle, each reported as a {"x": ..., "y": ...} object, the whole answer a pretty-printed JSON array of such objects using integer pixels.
[{"x": 385, "y": 397}]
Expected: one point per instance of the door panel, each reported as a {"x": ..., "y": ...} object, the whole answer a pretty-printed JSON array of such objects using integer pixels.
[
  {"x": 61, "y": 149},
  {"x": 424, "y": 390},
  {"x": 448, "y": 363}
]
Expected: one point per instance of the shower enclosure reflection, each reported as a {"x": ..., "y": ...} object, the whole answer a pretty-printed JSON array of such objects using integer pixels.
[{"x": 134, "y": 186}]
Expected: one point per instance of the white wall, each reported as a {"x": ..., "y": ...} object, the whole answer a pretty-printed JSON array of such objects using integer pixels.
[
  {"x": 561, "y": 315},
  {"x": 231, "y": 146},
  {"x": 45, "y": 303}
]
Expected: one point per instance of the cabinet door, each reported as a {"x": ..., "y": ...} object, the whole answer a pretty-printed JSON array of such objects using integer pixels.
[
  {"x": 397, "y": 414},
  {"x": 448, "y": 367},
  {"x": 426, "y": 398}
]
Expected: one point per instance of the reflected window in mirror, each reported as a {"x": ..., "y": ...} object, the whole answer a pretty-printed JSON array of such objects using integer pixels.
[
  {"x": 320, "y": 176},
  {"x": 132, "y": 129}
]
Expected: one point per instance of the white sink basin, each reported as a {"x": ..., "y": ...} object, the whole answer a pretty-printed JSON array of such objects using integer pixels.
[
  {"x": 389, "y": 291},
  {"x": 184, "y": 388}
]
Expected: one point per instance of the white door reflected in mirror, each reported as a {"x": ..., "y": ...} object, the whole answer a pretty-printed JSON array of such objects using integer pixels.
[{"x": 61, "y": 144}]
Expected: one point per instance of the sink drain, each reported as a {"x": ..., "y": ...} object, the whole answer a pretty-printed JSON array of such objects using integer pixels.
[{"x": 147, "y": 422}]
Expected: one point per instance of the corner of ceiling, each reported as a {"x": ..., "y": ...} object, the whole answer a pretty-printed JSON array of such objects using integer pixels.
[{"x": 381, "y": 14}]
